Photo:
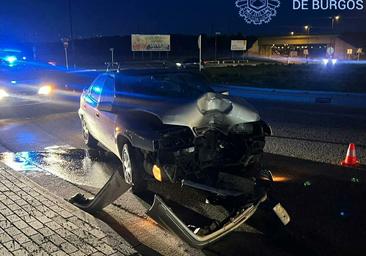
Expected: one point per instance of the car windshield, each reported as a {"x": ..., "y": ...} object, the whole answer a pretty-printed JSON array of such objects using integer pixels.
[{"x": 164, "y": 84}]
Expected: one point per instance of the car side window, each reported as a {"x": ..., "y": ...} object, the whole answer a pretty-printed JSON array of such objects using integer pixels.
[
  {"x": 96, "y": 88},
  {"x": 108, "y": 90}
]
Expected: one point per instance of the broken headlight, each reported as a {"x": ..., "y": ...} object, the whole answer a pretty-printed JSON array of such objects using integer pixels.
[{"x": 246, "y": 128}]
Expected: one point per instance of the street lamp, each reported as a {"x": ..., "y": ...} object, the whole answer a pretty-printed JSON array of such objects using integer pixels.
[
  {"x": 307, "y": 29},
  {"x": 334, "y": 20},
  {"x": 65, "y": 42},
  {"x": 292, "y": 33}
]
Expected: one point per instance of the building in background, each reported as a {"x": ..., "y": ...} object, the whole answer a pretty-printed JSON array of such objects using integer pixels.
[{"x": 340, "y": 47}]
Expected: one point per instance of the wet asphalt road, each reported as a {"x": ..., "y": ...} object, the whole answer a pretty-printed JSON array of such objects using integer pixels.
[{"x": 324, "y": 200}]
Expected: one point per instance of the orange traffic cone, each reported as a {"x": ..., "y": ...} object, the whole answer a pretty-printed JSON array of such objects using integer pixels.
[{"x": 351, "y": 157}]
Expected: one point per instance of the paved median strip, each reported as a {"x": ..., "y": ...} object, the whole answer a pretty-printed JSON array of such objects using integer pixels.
[{"x": 35, "y": 222}]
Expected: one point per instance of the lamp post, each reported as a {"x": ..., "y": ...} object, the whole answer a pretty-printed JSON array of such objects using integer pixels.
[
  {"x": 335, "y": 19},
  {"x": 216, "y": 34},
  {"x": 292, "y": 33},
  {"x": 200, "y": 51},
  {"x": 307, "y": 29},
  {"x": 112, "y": 52},
  {"x": 65, "y": 42}
]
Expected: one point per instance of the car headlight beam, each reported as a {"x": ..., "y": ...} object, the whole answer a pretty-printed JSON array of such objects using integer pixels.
[
  {"x": 45, "y": 90},
  {"x": 3, "y": 94}
]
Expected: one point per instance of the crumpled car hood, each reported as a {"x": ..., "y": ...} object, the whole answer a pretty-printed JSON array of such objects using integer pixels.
[{"x": 210, "y": 110}]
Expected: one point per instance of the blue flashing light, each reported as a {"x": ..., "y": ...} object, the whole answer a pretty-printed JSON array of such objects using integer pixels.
[
  {"x": 11, "y": 59},
  {"x": 13, "y": 82},
  {"x": 24, "y": 58},
  {"x": 97, "y": 89}
]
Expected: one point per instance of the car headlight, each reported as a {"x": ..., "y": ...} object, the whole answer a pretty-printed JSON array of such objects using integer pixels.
[
  {"x": 45, "y": 90},
  {"x": 325, "y": 61},
  {"x": 11, "y": 59},
  {"x": 3, "y": 94}
]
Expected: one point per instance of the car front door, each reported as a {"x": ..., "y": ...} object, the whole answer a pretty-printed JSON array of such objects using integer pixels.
[
  {"x": 91, "y": 101},
  {"x": 107, "y": 118}
]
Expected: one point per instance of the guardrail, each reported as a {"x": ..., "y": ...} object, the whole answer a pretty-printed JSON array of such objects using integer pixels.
[{"x": 354, "y": 100}]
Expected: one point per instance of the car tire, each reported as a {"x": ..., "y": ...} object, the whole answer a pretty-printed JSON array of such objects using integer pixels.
[
  {"x": 132, "y": 168},
  {"x": 89, "y": 140}
]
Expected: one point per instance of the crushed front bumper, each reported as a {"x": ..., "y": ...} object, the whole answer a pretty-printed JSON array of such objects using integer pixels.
[{"x": 164, "y": 216}]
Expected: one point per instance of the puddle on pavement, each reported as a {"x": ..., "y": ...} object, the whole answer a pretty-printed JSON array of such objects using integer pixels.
[{"x": 78, "y": 166}]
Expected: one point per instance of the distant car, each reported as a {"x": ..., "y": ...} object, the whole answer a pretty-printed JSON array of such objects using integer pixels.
[
  {"x": 189, "y": 63},
  {"x": 39, "y": 80},
  {"x": 170, "y": 126}
]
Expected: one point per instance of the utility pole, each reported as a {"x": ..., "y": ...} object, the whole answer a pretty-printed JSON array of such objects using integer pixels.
[{"x": 71, "y": 29}]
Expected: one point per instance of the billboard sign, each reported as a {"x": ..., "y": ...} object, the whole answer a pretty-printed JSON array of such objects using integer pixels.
[
  {"x": 238, "y": 45},
  {"x": 150, "y": 43}
]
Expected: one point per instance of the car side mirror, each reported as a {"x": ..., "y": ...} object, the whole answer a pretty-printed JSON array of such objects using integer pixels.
[{"x": 105, "y": 106}]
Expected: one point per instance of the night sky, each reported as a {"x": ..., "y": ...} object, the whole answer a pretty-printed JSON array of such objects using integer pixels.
[{"x": 47, "y": 20}]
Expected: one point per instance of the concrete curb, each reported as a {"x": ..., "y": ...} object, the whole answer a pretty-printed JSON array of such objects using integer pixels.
[{"x": 355, "y": 100}]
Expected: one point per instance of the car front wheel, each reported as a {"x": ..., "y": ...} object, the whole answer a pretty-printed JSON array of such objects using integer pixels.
[{"x": 132, "y": 168}]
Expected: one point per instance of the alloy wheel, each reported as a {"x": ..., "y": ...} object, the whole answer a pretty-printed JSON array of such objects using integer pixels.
[{"x": 126, "y": 162}]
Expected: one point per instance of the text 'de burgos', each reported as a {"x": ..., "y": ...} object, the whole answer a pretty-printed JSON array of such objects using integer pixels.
[{"x": 341, "y": 5}]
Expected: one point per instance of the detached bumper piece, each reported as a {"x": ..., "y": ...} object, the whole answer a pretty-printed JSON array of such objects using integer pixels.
[
  {"x": 164, "y": 216},
  {"x": 113, "y": 189}
]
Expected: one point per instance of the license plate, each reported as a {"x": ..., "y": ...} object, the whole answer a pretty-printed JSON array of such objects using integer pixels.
[{"x": 282, "y": 214}]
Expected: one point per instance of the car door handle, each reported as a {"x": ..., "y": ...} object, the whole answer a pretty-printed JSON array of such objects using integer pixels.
[{"x": 97, "y": 114}]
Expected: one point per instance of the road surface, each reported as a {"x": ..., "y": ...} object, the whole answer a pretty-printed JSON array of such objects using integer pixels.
[{"x": 325, "y": 201}]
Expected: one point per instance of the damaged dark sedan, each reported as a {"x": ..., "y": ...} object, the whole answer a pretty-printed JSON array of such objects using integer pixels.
[{"x": 172, "y": 127}]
